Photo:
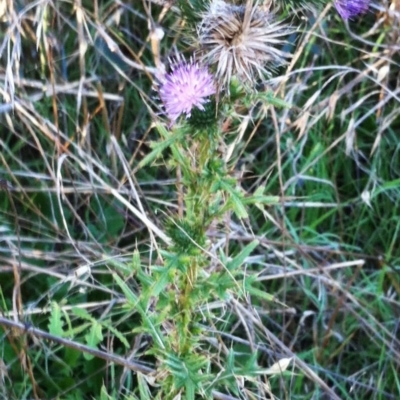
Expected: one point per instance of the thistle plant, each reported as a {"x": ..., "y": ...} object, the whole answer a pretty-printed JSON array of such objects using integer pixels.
[
  {"x": 146, "y": 255},
  {"x": 192, "y": 274},
  {"x": 245, "y": 42}
]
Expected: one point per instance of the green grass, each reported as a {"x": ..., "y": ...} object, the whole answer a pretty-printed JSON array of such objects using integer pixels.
[{"x": 84, "y": 220}]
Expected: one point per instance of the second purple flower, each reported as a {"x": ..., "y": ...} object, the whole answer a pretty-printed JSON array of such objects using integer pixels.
[{"x": 351, "y": 8}]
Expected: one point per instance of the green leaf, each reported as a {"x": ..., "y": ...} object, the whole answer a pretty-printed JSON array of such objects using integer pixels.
[
  {"x": 98, "y": 332},
  {"x": 161, "y": 283},
  {"x": 104, "y": 395},
  {"x": 72, "y": 357},
  {"x": 95, "y": 335},
  {"x": 67, "y": 320},
  {"x": 144, "y": 390},
  {"x": 130, "y": 296},
  {"x": 188, "y": 371},
  {"x": 136, "y": 262},
  {"x": 190, "y": 390},
  {"x": 124, "y": 268},
  {"x": 230, "y": 361},
  {"x": 260, "y": 190},
  {"x": 78, "y": 329},
  {"x": 260, "y": 293},
  {"x": 236, "y": 198},
  {"x": 238, "y": 261},
  {"x": 56, "y": 322},
  {"x": 147, "y": 319},
  {"x": 389, "y": 185},
  {"x": 181, "y": 160},
  {"x": 221, "y": 283},
  {"x": 93, "y": 338},
  {"x": 82, "y": 313},
  {"x": 259, "y": 198},
  {"x": 159, "y": 147},
  {"x": 274, "y": 101},
  {"x": 117, "y": 333}
]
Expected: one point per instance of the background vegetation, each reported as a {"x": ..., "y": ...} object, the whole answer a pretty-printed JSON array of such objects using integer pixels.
[{"x": 78, "y": 116}]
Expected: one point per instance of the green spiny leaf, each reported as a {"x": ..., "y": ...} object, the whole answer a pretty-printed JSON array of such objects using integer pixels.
[
  {"x": 274, "y": 101},
  {"x": 82, "y": 313},
  {"x": 130, "y": 296},
  {"x": 159, "y": 147},
  {"x": 236, "y": 198},
  {"x": 104, "y": 395},
  {"x": 144, "y": 390},
  {"x": 56, "y": 322},
  {"x": 93, "y": 338},
  {"x": 161, "y": 283},
  {"x": 237, "y": 261},
  {"x": 136, "y": 263},
  {"x": 147, "y": 319},
  {"x": 117, "y": 333},
  {"x": 260, "y": 293}
]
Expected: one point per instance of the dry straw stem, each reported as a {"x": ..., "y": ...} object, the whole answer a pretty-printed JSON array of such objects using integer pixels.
[{"x": 242, "y": 41}]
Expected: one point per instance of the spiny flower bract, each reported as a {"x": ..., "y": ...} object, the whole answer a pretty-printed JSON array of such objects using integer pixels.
[
  {"x": 242, "y": 41},
  {"x": 188, "y": 85},
  {"x": 351, "y": 8}
]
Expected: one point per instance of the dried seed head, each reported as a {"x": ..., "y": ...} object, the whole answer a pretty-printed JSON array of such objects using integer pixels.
[{"x": 241, "y": 40}]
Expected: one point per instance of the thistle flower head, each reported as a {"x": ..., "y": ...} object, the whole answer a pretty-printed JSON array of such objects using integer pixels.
[
  {"x": 242, "y": 41},
  {"x": 351, "y": 8},
  {"x": 187, "y": 86}
]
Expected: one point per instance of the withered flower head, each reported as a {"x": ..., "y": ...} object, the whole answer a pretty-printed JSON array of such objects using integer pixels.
[{"x": 243, "y": 40}]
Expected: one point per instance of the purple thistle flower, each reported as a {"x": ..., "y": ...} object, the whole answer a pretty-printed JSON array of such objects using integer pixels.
[
  {"x": 188, "y": 85},
  {"x": 351, "y": 8}
]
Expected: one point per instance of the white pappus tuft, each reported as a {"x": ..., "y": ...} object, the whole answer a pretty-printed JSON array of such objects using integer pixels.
[{"x": 243, "y": 41}]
